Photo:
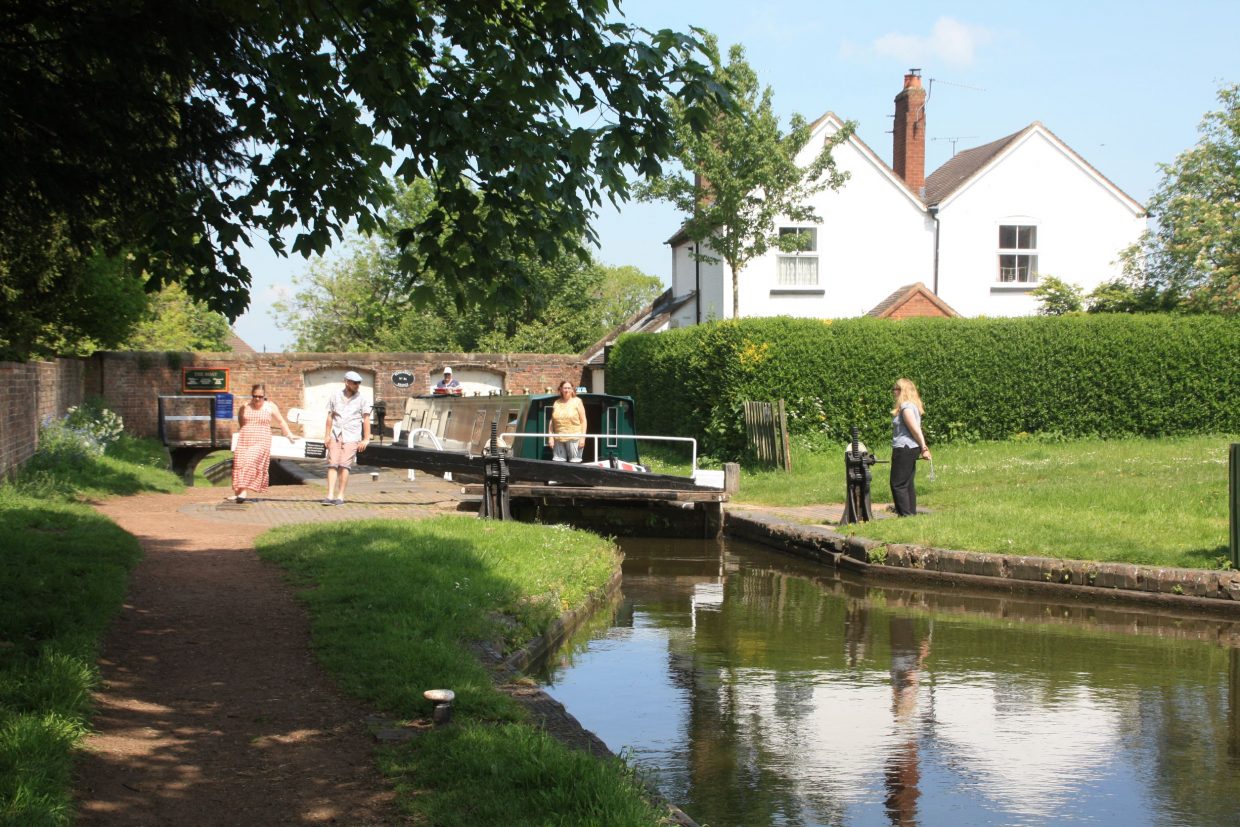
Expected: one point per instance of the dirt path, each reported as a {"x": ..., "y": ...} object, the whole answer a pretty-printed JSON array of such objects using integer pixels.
[{"x": 213, "y": 710}]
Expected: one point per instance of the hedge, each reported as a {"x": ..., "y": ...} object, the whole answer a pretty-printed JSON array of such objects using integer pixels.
[{"x": 1065, "y": 376}]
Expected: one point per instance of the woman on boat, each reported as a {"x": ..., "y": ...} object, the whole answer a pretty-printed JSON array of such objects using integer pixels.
[
  {"x": 252, "y": 459},
  {"x": 568, "y": 416}
]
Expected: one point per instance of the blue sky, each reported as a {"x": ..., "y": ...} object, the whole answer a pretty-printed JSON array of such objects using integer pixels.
[{"x": 1125, "y": 84}]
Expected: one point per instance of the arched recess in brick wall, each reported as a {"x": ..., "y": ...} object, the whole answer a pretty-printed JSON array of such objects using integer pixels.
[
  {"x": 319, "y": 385},
  {"x": 473, "y": 379}
]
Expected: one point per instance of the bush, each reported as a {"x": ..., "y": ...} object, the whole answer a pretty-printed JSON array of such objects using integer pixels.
[
  {"x": 85, "y": 431},
  {"x": 981, "y": 379}
]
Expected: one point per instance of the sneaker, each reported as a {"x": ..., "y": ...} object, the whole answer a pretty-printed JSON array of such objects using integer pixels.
[
  {"x": 338, "y": 502},
  {"x": 327, "y": 501},
  {"x": 575, "y": 459},
  {"x": 558, "y": 459}
]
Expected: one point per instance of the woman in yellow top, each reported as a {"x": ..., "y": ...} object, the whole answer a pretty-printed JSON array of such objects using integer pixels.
[{"x": 568, "y": 416}]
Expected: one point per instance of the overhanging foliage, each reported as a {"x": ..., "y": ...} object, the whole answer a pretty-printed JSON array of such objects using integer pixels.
[{"x": 175, "y": 132}]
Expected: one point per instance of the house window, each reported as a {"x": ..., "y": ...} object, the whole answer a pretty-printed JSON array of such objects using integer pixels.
[
  {"x": 798, "y": 257},
  {"x": 1018, "y": 253}
]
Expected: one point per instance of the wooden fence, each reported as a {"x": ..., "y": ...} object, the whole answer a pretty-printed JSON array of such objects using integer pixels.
[{"x": 766, "y": 429}]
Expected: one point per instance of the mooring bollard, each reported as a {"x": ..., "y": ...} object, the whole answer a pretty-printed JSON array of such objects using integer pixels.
[{"x": 442, "y": 699}]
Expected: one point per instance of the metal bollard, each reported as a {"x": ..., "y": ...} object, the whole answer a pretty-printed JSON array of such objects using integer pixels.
[{"x": 442, "y": 699}]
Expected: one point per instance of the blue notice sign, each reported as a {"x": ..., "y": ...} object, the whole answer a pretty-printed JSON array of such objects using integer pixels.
[{"x": 223, "y": 406}]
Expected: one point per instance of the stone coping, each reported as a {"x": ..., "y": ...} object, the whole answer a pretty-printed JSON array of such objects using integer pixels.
[{"x": 1195, "y": 589}]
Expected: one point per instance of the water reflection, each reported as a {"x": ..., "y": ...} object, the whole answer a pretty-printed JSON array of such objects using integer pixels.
[{"x": 764, "y": 691}]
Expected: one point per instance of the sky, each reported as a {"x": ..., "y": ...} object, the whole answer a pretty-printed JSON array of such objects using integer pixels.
[{"x": 1125, "y": 84}]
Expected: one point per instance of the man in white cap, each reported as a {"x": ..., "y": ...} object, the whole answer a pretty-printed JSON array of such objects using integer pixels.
[
  {"x": 347, "y": 431},
  {"x": 447, "y": 384}
]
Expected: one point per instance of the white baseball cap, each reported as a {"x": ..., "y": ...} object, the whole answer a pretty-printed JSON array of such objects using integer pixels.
[
  {"x": 353, "y": 376},
  {"x": 447, "y": 370}
]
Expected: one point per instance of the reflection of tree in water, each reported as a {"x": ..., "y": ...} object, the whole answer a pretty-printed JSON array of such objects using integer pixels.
[{"x": 903, "y": 769}]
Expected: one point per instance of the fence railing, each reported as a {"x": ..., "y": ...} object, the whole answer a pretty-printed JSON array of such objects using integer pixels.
[{"x": 766, "y": 430}]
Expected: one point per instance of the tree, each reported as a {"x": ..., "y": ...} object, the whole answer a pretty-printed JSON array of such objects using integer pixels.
[
  {"x": 741, "y": 174},
  {"x": 174, "y": 321},
  {"x": 1191, "y": 260},
  {"x": 1057, "y": 297},
  {"x": 361, "y": 301},
  {"x": 174, "y": 131}
]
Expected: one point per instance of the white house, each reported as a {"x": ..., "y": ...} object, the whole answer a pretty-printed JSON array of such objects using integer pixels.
[{"x": 975, "y": 234}]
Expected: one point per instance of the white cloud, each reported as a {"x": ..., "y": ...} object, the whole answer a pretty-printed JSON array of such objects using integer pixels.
[{"x": 950, "y": 41}]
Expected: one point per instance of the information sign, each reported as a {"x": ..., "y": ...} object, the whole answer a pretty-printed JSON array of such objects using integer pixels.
[
  {"x": 223, "y": 406},
  {"x": 204, "y": 380},
  {"x": 402, "y": 379}
]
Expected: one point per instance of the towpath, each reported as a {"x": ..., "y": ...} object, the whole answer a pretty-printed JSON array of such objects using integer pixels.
[{"x": 213, "y": 710}]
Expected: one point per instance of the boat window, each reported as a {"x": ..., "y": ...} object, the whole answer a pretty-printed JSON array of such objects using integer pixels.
[{"x": 613, "y": 426}]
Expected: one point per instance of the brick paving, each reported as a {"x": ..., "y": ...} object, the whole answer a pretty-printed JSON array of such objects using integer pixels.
[{"x": 390, "y": 494}]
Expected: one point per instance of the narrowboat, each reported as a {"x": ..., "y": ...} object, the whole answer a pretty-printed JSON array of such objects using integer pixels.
[{"x": 463, "y": 424}]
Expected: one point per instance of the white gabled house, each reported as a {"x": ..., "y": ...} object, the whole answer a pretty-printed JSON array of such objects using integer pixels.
[{"x": 976, "y": 234}]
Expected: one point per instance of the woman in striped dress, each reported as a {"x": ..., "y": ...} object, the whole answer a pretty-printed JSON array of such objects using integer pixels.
[{"x": 252, "y": 459}]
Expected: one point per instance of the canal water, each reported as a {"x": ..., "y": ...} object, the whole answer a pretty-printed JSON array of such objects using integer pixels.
[{"x": 757, "y": 689}]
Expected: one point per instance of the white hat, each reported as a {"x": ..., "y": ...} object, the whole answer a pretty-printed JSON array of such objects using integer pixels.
[
  {"x": 353, "y": 376},
  {"x": 447, "y": 370}
]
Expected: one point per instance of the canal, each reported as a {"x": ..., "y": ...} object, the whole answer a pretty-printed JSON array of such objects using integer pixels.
[{"x": 757, "y": 689}]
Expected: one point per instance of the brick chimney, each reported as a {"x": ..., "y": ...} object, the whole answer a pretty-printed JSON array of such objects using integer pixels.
[{"x": 908, "y": 156}]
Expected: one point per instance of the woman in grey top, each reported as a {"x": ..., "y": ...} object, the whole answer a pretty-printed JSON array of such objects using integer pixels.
[{"x": 908, "y": 444}]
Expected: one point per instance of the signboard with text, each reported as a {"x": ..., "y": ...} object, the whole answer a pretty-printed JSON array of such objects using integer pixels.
[{"x": 204, "y": 380}]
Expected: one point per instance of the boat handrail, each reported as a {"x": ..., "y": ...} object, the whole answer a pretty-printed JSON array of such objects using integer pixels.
[
  {"x": 505, "y": 437},
  {"x": 413, "y": 435}
]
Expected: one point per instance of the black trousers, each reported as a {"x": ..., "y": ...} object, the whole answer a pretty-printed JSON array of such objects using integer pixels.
[{"x": 903, "y": 470}]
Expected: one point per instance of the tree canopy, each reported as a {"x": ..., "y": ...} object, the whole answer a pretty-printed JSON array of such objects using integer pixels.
[
  {"x": 168, "y": 134},
  {"x": 1191, "y": 259},
  {"x": 361, "y": 300},
  {"x": 174, "y": 321},
  {"x": 741, "y": 173}
]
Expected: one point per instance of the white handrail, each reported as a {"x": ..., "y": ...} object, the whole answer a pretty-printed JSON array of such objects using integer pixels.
[
  {"x": 412, "y": 436},
  {"x": 503, "y": 438}
]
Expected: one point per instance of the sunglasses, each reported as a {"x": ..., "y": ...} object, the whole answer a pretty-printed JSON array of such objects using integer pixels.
[{"x": 257, "y": 396}]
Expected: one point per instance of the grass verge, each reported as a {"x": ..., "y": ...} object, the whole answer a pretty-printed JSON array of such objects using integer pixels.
[
  {"x": 1158, "y": 502},
  {"x": 63, "y": 574},
  {"x": 400, "y": 607}
]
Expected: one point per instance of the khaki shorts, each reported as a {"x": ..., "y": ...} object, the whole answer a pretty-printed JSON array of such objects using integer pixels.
[{"x": 341, "y": 454}]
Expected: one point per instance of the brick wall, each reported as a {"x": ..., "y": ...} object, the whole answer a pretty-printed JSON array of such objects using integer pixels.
[
  {"x": 29, "y": 392},
  {"x": 131, "y": 383}
]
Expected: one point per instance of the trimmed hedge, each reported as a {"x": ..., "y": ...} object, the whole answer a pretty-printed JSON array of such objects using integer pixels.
[{"x": 1064, "y": 376}]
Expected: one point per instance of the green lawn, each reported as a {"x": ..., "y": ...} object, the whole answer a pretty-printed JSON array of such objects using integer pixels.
[{"x": 1156, "y": 502}]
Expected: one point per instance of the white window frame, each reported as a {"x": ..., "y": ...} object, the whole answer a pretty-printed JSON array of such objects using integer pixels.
[
  {"x": 1018, "y": 264},
  {"x": 803, "y": 264}
]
